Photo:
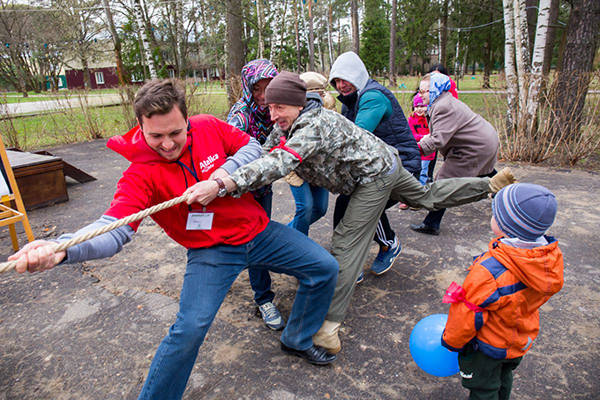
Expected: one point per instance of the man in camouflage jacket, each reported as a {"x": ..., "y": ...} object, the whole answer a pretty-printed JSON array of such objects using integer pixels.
[{"x": 328, "y": 150}]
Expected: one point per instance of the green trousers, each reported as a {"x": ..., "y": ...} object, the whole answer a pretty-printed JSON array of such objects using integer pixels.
[
  {"x": 486, "y": 377},
  {"x": 353, "y": 235}
]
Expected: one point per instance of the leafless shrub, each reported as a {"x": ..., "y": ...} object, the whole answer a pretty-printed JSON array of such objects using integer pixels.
[
  {"x": 547, "y": 142},
  {"x": 7, "y": 126},
  {"x": 92, "y": 126},
  {"x": 127, "y": 95},
  {"x": 201, "y": 99}
]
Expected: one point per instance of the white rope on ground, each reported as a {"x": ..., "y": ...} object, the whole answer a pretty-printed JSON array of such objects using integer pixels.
[{"x": 6, "y": 266}]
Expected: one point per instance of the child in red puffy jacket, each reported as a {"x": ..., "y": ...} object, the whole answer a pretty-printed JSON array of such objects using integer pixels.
[
  {"x": 494, "y": 316},
  {"x": 419, "y": 127}
]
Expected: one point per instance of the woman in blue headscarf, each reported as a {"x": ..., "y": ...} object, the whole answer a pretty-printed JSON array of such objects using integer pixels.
[{"x": 468, "y": 143}]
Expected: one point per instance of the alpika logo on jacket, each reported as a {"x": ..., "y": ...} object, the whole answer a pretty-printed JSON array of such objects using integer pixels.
[{"x": 207, "y": 164}]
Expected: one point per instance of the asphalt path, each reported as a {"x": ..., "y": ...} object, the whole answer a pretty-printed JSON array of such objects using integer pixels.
[
  {"x": 35, "y": 107},
  {"x": 89, "y": 331}
]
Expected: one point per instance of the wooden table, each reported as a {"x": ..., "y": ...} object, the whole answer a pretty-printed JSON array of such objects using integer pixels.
[{"x": 40, "y": 178}]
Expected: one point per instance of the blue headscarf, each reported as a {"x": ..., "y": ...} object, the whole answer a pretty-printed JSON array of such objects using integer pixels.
[{"x": 438, "y": 84}]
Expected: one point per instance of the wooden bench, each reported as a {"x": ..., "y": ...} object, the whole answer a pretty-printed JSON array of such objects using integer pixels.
[{"x": 40, "y": 178}]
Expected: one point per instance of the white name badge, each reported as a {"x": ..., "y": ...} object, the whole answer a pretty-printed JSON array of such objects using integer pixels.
[{"x": 200, "y": 221}]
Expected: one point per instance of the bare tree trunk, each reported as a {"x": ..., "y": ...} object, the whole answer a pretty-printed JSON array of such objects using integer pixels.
[
  {"x": 234, "y": 49},
  {"x": 553, "y": 20},
  {"x": 181, "y": 39},
  {"x": 260, "y": 20},
  {"x": 145, "y": 41},
  {"x": 87, "y": 79},
  {"x": 582, "y": 40},
  {"x": 282, "y": 33},
  {"x": 456, "y": 62},
  {"x": 509, "y": 65},
  {"x": 304, "y": 33},
  {"x": 329, "y": 29},
  {"x": 297, "y": 31},
  {"x": 537, "y": 62},
  {"x": 487, "y": 51},
  {"x": 339, "y": 43},
  {"x": 393, "y": 40},
  {"x": 311, "y": 39},
  {"x": 123, "y": 79},
  {"x": 355, "y": 30},
  {"x": 521, "y": 49},
  {"x": 531, "y": 12},
  {"x": 444, "y": 33},
  {"x": 321, "y": 56}
]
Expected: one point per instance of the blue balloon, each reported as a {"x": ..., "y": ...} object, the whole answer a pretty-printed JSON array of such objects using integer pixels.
[{"x": 427, "y": 350}]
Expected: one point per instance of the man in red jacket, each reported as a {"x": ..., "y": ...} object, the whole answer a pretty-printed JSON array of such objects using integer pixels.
[{"x": 169, "y": 155}]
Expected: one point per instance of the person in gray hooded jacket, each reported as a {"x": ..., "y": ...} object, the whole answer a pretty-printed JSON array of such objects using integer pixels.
[{"x": 374, "y": 108}]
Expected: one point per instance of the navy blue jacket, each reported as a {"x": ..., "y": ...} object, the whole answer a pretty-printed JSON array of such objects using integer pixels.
[{"x": 393, "y": 130}]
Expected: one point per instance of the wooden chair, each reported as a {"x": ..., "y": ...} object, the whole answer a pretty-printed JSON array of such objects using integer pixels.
[{"x": 9, "y": 192}]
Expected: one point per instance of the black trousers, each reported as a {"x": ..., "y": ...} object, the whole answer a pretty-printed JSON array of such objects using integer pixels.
[
  {"x": 487, "y": 378},
  {"x": 384, "y": 235}
]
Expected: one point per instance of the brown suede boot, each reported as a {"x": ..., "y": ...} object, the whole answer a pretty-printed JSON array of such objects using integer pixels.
[
  {"x": 327, "y": 337},
  {"x": 503, "y": 178}
]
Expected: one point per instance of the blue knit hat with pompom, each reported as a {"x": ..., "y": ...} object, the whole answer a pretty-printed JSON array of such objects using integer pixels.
[{"x": 524, "y": 210}]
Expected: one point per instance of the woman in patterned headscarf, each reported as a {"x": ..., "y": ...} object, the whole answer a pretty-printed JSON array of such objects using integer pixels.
[{"x": 251, "y": 115}]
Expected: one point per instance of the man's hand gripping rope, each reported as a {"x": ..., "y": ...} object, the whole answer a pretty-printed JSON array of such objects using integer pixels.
[{"x": 48, "y": 254}]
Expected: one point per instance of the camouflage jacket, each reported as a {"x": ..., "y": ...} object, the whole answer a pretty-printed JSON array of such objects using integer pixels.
[{"x": 323, "y": 148}]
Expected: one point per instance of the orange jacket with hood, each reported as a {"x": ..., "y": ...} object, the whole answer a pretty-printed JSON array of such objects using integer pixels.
[{"x": 503, "y": 291}]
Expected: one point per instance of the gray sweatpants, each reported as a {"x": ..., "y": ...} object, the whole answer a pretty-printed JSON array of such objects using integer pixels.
[{"x": 353, "y": 235}]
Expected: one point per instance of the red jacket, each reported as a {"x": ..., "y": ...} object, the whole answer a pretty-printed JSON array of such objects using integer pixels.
[
  {"x": 151, "y": 180},
  {"x": 419, "y": 127},
  {"x": 453, "y": 90},
  {"x": 504, "y": 289}
]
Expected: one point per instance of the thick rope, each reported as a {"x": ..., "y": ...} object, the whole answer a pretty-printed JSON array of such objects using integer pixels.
[{"x": 97, "y": 232}]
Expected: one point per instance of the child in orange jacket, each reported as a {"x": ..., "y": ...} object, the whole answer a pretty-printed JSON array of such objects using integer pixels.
[{"x": 494, "y": 317}]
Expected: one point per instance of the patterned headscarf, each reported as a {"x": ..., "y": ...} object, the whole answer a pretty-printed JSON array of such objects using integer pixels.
[
  {"x": 438, "y": 84},
  {"x": 245, "y": 113}
]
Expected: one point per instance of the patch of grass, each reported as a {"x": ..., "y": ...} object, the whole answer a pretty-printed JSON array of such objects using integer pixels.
[
  {"x": 69, "y": 125},
  {"x": 469, "y": 82},
  {"x": 66, "y": 126}
]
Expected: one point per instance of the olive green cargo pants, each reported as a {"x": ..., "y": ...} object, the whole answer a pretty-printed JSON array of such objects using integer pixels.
[{"x": 353, "y": 235}]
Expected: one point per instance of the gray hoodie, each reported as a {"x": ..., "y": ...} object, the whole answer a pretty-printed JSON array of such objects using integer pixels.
[{"x": 349, "y": 67}]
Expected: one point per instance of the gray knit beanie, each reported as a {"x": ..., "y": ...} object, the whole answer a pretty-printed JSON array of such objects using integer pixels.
[
  {"x": 524, "y": 210},
  {"x": 286, "y": 88}
]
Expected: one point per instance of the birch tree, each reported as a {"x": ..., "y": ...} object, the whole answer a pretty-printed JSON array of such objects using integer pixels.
[
  {"x": 145, "y": 40},
  {"x": 512, "y": 88},
  {"x": 521, "y": 49},
  {"x": 537, "y": 64}
]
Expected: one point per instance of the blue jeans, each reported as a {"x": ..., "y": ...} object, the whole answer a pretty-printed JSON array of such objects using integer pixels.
[
  {"x": 424, "y": 177},
  {"x": 260, "y": 280},
  {"x": 311, "y": 205},
  {"x": 210, "y": 273}
]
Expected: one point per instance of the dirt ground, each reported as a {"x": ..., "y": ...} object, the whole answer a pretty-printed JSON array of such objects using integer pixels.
[{"x": 89, "y": 331}]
